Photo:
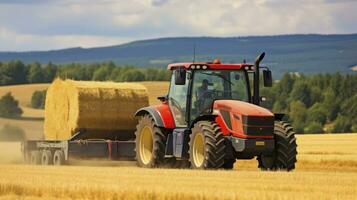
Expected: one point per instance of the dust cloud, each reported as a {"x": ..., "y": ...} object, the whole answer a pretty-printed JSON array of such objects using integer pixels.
[{"x": 10, "y": 153}]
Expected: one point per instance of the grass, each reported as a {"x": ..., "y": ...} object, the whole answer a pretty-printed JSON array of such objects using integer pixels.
[{"x": 326, "y": 169}]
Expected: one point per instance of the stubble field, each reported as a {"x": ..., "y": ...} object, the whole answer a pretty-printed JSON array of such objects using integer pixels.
[{"x": 326, "y": 169}]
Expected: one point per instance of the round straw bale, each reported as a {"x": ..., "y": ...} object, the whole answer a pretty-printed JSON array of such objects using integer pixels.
[{"x": 105, "y": 110}]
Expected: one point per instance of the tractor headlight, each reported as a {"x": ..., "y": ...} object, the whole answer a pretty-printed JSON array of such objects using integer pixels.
[{"x": 199, "y": 67}]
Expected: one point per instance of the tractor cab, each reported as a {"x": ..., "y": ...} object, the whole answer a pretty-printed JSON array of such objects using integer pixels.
[
  {"x": 211, "y": 117},
  {"x": 195, "y": 86}
]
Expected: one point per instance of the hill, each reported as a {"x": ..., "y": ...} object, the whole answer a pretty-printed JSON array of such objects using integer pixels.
[{"x": 286, "y": 53}]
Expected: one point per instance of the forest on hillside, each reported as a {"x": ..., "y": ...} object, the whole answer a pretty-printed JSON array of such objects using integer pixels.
[
  {"x": 313, "y": 104},
  {"x": 317, "y": 103},
  {"x": 308, "y": 54}
]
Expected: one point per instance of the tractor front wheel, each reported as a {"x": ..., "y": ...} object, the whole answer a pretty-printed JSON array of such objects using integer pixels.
[
  {"x": 150, "y": 143},
  {"x": 207, "y": 147},
  {"x": 284, "y": 156}
]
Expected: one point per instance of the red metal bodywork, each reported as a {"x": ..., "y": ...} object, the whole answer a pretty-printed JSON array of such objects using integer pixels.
[
  {"x": 209, "y": 65},
  {"x": 165, "y": 113},
  {"x": 238, "y": 108}
]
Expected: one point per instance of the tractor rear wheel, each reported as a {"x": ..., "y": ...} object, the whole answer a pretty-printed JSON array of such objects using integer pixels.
[
  {"x": 150, "y": 143},
  {"x": 207, "y": 147},
  {"x": 284, "y": 156}
]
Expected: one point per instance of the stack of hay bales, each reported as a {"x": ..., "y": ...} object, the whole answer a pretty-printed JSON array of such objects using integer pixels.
[{"x": 105, "y": 110}]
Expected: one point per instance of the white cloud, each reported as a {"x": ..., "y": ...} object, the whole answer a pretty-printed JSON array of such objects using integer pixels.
[
  {"x": 67, "y": 23},
  {"x": 23, "y": 42}
]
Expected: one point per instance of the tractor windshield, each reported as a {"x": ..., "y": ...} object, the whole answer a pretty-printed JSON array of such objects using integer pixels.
[{"x": 210, "y": 85}]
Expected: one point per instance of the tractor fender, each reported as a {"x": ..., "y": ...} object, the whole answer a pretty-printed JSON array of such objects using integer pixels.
[{"x": 160, "y": 113}]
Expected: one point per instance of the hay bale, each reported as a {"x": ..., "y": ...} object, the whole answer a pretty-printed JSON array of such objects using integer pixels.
[{"x": 105, "y": 109}]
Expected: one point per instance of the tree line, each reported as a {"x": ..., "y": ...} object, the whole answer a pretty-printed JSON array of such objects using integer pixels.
[
  {"x": 16, "y": 72},
  {"x": 317, "y": 103},
  {"x": 313, "y": 104}
]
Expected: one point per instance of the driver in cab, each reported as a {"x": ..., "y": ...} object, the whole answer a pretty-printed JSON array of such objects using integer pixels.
[{"x": 202, "y": 94}]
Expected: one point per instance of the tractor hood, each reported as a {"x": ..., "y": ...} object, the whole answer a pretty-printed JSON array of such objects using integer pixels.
[{"x": 241, "y": 107}]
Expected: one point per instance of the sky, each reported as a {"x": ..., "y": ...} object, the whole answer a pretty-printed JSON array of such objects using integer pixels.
[{"x": 55, "y": 24}]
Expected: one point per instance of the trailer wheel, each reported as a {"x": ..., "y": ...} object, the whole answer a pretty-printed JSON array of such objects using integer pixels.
[
  {"x": 46, "y": 157},
  {"x": 27, "y": 157},
  {"x": 207, "y": 147},
  {"x": 35, "y": 158},
  {"x": 58, "y": 158},
  {"x": 284, "y": 156},
  {"x": 150, "y": 143}
]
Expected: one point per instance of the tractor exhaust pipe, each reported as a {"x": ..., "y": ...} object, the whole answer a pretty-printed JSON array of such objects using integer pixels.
[{"x": 256, "y": 96}]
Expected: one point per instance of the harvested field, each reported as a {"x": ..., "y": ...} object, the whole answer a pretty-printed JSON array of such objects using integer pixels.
[
  {"x": 23, "y": 93},
  {"x": 326, "y": 169}
]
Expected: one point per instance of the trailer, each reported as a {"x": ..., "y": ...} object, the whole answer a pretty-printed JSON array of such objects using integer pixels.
[{"x": 51, "y": 152}]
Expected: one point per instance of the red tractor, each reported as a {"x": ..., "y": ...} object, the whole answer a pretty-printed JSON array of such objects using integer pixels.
[{"x": 210, "y": 118}]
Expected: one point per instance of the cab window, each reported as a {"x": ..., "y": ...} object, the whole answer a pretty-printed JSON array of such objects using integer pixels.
[
  {"x": 210, "y": 85},
  {"x": 177, "y": 101}
]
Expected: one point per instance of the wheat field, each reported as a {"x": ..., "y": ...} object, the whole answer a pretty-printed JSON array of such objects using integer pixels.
[{"x": 326, "y": 169}]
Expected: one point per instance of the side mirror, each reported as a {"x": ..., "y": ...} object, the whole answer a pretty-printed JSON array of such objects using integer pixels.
[
  {"x": 180, "y": 76},
  {"x": 268, "y": 79}
]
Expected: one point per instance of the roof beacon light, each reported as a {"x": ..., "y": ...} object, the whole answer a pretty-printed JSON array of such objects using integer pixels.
[{"x": 204, "y": 67}]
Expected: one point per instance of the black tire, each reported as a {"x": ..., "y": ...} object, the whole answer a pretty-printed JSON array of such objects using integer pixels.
[
  {"x": 212, "y": 154},
  {"x": 46, "y": 157},
  {"x": 230, "y": 158},
  {"x": 229, "y": 164},
  {"x": 178, "y": 164},
  {"x": 284, "y": 156},
  {"x": 152, "y": 154},
  {"x": 58, "y": 158},
  {"x": 35, "y": 158}
]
